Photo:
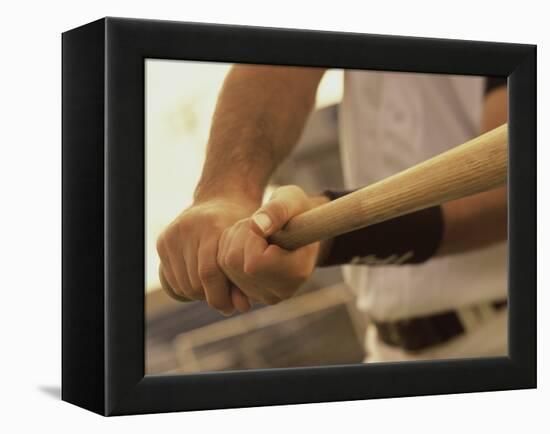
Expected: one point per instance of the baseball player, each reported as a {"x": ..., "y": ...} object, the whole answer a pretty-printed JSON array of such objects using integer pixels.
[{"x": 432, "y": 283}]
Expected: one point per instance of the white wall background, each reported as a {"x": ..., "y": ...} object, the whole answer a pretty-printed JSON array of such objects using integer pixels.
[{"x": 30, "y": 164}]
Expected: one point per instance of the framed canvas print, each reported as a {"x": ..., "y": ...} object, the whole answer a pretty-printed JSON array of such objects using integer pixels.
[{"x": 257, "y": 216}]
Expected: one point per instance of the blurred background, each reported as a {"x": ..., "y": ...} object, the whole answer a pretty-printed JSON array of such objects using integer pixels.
[{"x": 321, "y": 325}]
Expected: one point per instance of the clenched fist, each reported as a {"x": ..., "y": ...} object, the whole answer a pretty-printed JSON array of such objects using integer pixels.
[
  {"x": 188, "y": 249},
  {"x": 265, "y": 272}
]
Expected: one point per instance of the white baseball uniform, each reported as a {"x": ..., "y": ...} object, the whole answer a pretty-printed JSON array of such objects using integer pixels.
[{"x": 390, "y": 121}]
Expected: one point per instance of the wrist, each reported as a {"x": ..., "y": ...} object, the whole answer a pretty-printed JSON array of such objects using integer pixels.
[{"x": 247, "y": 195}]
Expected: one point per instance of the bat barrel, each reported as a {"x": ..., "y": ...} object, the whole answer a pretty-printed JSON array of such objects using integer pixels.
[{"x": 478, "y": 165}]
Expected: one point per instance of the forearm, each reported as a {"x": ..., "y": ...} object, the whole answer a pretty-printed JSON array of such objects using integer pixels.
[
  {"x": 474, "y": 222},
  {"x": 479, "y": 220},
  {"x": 259, "y": 117}
]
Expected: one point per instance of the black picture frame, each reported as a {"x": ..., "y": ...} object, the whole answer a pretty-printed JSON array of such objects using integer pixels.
[{"x": 103, "y": 215}]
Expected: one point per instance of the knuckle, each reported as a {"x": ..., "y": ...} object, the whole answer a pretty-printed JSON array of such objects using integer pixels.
[
  {"x": 184, "y": 229},
  {"x": 280, "y": 209},
  {"x": 170, "y": 244},
  {"x": 233, "y": 259},
  {"x": 160, "y": 246},
  {"x": 299, "y": 197},
  {"x": 208, "y": 273}
]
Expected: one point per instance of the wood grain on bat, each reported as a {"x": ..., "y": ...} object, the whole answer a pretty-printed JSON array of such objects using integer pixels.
[{"x": 478, "y": 165}]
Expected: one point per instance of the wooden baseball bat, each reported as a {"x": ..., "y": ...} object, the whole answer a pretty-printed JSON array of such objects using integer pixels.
[{"x": 478, "y": 165}]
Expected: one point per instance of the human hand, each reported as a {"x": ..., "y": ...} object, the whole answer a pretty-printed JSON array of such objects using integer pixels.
[
  {"x": 265, "y": 272},
  {"x": 188, "y": 249}
]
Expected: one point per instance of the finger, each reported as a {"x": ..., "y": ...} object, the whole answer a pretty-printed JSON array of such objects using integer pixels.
[
  {"x": 232, "y": 262},
  {"x": 179, "y": 271},
  {"x": 274, "y": 259},
  {"x": 222, "y": 253},
  {"x": 178, "y": 268},
  {"x": 254, "y": 248},
  {"x": 222, "y": 243},
  {"x": 269, "y": 268},
  {"x": 234, "y": 248},
  {"x": 165, "y": 268},
  {"x": 190, "y": 255},
  {"x": 240, "y": 300},
  {"x": 169, "y": 288},
  {"x": 285, "y": 203},
  {"x": 215, "y": 283}
]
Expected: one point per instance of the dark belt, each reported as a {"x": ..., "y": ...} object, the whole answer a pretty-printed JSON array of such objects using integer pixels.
[{"x": 419, "y": 333}]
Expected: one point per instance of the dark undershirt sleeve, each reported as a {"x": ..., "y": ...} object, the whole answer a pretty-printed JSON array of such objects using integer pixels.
[{"x": 409, "y": 239}]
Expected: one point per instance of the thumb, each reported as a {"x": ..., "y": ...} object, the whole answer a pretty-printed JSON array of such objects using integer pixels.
[{"x": 285, "y": 203}]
